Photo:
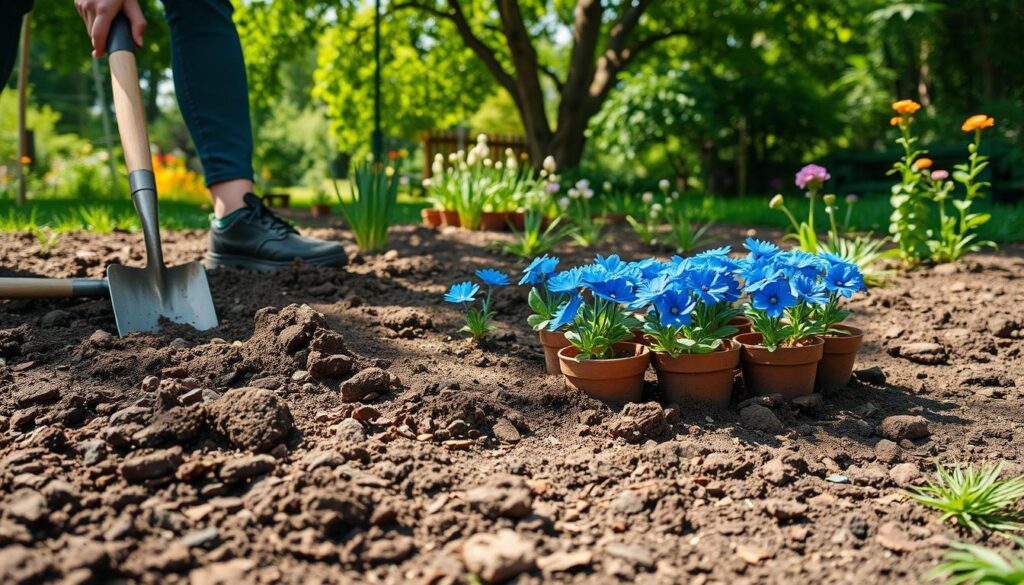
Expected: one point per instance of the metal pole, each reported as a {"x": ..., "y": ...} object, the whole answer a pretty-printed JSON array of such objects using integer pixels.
[
  {"x": 26, "y": 29},
  {"x": 101, "y": 99},
  {"x": 378, "y": 138}
]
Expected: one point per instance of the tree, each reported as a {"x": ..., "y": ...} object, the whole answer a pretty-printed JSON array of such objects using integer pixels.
[{"x": 607, "y": 37}]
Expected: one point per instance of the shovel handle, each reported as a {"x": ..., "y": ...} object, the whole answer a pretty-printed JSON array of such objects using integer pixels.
[
  {"x": 131, "y": 115},
  {"x": 51, "y": 288}
]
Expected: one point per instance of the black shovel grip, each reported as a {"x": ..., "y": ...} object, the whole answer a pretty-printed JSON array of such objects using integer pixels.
[{"x": 120, "y": 36}]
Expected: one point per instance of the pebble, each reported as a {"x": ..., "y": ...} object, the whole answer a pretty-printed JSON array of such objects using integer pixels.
[
  {"x": 159, "y": 463},
  {"x": 242, "y": 468},
  {"x": 499, "y": 556},
  {"x": 903, "y": 426},
  {"x": 350, "y": 430},
  {"x": 887, "y": 451},
  {"x": 633, "y": 554},
  {"x": 563, "y": 561},
  {"x": 905, "y": 474},
  {"x": 761, "y": 418}
]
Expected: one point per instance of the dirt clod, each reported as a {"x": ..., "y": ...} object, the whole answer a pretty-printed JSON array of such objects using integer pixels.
[{"x": 252, "y": 418}]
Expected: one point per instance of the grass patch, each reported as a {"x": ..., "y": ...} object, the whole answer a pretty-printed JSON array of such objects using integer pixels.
[
  {"x": 974, "y": 497},
  {"x": 975, "y": 564}
]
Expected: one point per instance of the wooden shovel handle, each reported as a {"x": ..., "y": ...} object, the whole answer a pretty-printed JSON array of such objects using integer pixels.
[
  {"x": 50, "y": 288},
  {"x": 131, "y": 114}
]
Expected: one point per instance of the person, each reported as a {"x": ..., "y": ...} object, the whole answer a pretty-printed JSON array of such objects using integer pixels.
[{"x": 212, "y": 92}]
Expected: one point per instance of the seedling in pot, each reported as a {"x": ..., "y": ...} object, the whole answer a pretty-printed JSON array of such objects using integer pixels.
[{"x": 478, "y": 318}]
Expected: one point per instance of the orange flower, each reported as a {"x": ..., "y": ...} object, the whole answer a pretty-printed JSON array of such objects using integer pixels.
[
  {"x": 922, "y": 163},
  {"x": 26, "y": 160},
  {"x": 977, "y": 122},
  {"x": 895, "y": 120},
  {"x": 906, "y": 107}
]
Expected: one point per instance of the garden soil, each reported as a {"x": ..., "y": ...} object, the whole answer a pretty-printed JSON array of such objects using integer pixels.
[{"x": 336, "y": 428}]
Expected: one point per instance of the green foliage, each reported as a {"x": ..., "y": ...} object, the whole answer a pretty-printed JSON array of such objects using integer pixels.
[
  {"x": 544, "y": 304},
  {"x": 709, "y": 325},
  {"x": 684, "y": 235},
  {"x": 909, "y": 222},
  {"x": 536, "y": 239},
  {"x": 371, "y": 209},
  {"x": 972, "y": 564},
  {"x": 429, "y": 78},
  {"x": 598, "y": 326},
  {"x": 958, "y": 232},
  {"x": 291, "y": 147},
  {"x": 974, "y": 497},
  {"x": 48, "y": 240}
]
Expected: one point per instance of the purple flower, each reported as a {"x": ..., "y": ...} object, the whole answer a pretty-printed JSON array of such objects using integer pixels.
[
  {"x": 812, "y": 175},
  {"x": 940, "y": 175}
]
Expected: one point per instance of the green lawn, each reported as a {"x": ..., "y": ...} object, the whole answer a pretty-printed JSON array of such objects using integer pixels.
[{"x": 102, "y": 215}]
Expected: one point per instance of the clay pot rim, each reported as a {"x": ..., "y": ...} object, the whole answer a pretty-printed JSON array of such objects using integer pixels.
[
  {"x": 783, "y": 356},
  {"x": 697, "y": 363},
  {"x": 815, "y": 340},
  {"x": 643, "y": 350},
  {"x": 727, "y": 346},
  {"x": 554, "y": 336},
  {"x": 852, "y": 332},
  {"x": 631, "y": 365}
]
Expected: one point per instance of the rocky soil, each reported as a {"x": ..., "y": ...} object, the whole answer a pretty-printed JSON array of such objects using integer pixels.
[{"x": 336, "y": 428}]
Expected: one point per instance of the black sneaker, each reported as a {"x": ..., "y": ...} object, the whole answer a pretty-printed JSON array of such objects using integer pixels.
[{"x": 258, "y": 240}]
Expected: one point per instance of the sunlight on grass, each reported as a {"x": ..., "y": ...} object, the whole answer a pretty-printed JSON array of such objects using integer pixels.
[{"x": 974, "y": 497}]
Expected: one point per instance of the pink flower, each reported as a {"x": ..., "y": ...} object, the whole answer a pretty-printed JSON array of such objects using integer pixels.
[
  {"x": 812, "y": 175},
  {"x": 940, "y": 175}
]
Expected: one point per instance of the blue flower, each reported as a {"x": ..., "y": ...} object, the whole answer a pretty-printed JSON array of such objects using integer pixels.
[
  {"x": 566, "y": 281},
  {"x": 773, "y": 298},
  {"x": 717, "y": 259},
  {"x": 798, "y": 262},
  {"x": 616, "y": 290},
  {"x": 809, "y": 290},
  {"x": 648, "y": 268},
  {"x": 709, "y": 285},
  {"x": 845, "y": 279},
  {"x": 464, "y": 292},
  {"x": 566, "y": 313},
  {"x": 759, "y": 249},
  {"x": 832, "y": 259},
  {"x": 674, "y": 308},
  {"x": 492, "y": 277},
  {"x": 651, "y": 290},
  {"x": 539, "y": 269},
  {"x": 611, "y": 263}
]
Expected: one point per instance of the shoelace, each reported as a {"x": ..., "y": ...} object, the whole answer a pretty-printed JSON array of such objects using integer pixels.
[{"x": 263, "y": 215}]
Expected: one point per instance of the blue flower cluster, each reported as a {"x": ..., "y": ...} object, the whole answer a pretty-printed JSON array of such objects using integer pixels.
[{"x": 478, "y": 320}]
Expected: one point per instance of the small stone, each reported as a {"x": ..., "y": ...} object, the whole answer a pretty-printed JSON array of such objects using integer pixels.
[
  {"x": 632, "y": 554},
  {"x": 55, "y": 318},
  {"x": 905, "y": 474},
  {"x": 27, "y": 506},
  {"x": 505, "y": 431},
  {"x": 159, "y": 463},
  {"x": 100, "y": 338},
  {"x": 350, "y": 431},
  {"x": 783, "y": 510},
  {"x": 37, "y": 395},
  {"x": 903, "y": 426},
  {"x": 200, "y": 538},
  {"x": 809, "y": 403},
  {"x": 498, "y": 557},
  {"x": 922, "y": 352},
  {"x": 242, "y": 468},
  {"x": 872, "y": 375},
  {"x": 639, "y": 422},
  {"x": 392, "y": 550},
  {"x": 150, "y": 383},
  {"x": 837, "y": 478},
  {"x": 503, "y": 496},
  {"x": 753, "y": 555},
  {"x": 761, "y": 418},
  {"x": 563, "y": 561},
  {"x": 252, "y": 418},
  {"x": 93, "y": 451},
  {"x": 365, "y": 413},
  {"x": 628, "y": 503},
  {"x": 194, "y": 396},
  {"x": 370, "y": 380},
  {"x": 887, "y": 451}
]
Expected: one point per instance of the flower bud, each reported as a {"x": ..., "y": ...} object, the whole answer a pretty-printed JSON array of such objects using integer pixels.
[
  {"x": 851, "y": 198},
  {"x": 829, "y": 199},
  {"x": 563, "y": 203},
  {"x": 776, "y": 202},
  {"x": 549, "y": 164},
  {"x": 647, "y": 197},
  {"x": 664, "y": 184}
]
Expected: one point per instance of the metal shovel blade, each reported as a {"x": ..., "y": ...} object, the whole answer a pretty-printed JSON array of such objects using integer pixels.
[{"x": 142, "y": 296}]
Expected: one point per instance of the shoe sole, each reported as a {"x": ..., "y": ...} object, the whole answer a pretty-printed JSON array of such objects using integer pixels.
[{"x": 214, "y": 261}]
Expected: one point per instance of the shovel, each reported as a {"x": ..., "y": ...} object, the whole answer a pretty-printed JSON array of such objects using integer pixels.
[{"x": 141, "y": 297}]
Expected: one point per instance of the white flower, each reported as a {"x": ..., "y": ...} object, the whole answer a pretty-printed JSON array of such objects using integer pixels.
[
  {"x": 549, "y": 164},
  {"x": 675, "y": 194},
  {"x": 563, "y": 203},
  {"x": 582, "y": 184},
  {"x": 403, "y": 180},
  {"x": 488, "y": 162},
  {"x": 654, "y": 213},
  {"x": 664, "y": 184},
  {"x": 426, "y": 182},
  {"x": 588, "y": 193},
  {"x": 471, "y": 160},
  {"x": 438, "y": 166},
  {"x": 511, "y": 163},
  {"x": 509, "y": 153},
  {"x": 481, "y": 138},
  {"x": 656, "y": 208},
  {"x": 543, "y": 173},
  {"x": 439, "y": 157},
  {"x": 647, "y": 197},
  {"x": 574, "y": 192},
  {"x": 499, "y": 165},
  {"x": 607, "y": 186}
]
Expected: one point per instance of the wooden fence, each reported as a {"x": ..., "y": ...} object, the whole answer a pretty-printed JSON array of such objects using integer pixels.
[{"x": 445, "y": 142}]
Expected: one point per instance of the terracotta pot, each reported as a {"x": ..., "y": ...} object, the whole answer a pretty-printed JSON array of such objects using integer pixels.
[
  {"x": 788, "y": 371},
  {"x": 614, "y": 380},
  {"x": 839, "y": 353},
  {"x": 705, "y": 377},
  {"x": 518, "y": 220},
  {"x": 320, "y": 210},
  {"x": 742, "y": 323},
  {"x": 431, "y": 217},
  {"x": 494, "y": 221},
  {"x": 552, "y": 342},
  {"x": 450, "y": 218},
  {"x": 614, "y": 218}
]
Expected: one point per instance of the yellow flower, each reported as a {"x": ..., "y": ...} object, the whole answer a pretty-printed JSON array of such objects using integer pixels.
[
  {"x": 26, "y": 160},
  {"x": 977, "y": 122},
  {"x": 922, "y": 163},
  {"x": 906, "y": 107},
  {"x": 895, "y": 120}
]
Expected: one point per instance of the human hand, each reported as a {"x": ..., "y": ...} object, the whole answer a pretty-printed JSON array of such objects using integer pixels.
[{"x": 99, "y": 14}]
